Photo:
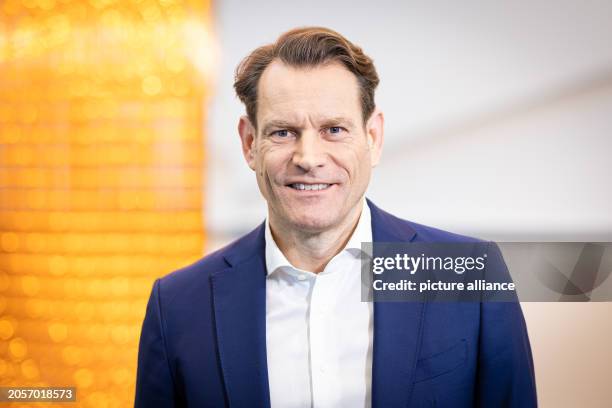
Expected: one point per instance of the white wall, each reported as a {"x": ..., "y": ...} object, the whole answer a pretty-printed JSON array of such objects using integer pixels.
[{"x": 537, "y": 173}]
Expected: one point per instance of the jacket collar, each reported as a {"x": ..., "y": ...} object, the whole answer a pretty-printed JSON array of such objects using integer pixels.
[
  {"x": 239, "y": 302},
  {"x": 276, "y": 260},
  {"x": 239, "y": 306},
  {"x": 389, "y": 228}
]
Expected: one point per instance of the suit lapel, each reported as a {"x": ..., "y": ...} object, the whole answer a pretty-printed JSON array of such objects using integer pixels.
[
  {"x": 397, "y": 328},
  {"x": 239, "y": 300}
]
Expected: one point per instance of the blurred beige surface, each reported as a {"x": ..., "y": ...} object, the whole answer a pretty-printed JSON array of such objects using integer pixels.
[{"x": 572, "y": 350}]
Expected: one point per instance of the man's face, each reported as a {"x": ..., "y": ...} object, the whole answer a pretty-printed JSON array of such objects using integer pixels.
[{"x": 311, "y": 151}]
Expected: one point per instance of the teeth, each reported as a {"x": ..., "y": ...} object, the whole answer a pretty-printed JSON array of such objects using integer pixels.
[{"x": 316, "y": 187}]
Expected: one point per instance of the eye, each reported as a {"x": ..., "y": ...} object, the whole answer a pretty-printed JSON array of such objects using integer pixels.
[
  {"x": 280, "y": 133},
  {"x": 334, "y": 130}
]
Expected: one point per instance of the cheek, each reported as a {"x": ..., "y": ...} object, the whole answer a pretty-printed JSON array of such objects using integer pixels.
[
  {"x": 272, "y": 164},
  {"x": 355, "y": 160}
]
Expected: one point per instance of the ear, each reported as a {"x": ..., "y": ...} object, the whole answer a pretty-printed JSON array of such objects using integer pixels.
[
  {"x": 375, "y": 131},
  {"x": 247, "y": 138}
]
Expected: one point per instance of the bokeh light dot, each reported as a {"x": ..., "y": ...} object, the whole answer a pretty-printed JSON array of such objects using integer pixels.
[
  {"x": 58, "y": 265},
  {"x": 18, "y": 348},
  {"x": 58, "y": 221},
  {"x": 151, "y": 85},
  {"x": 7, "y": 329},
  {"x": 120, "y": 286},
  {"x": 97, "y": 399},
  {"x": 85, "y": 311},
  {"x": 29, "y": 369},
  {"x": 58, "y": 332},
  {"x": 9, "y": 241},
  {"x": 121, "y": 376},
  {"x": 175, "y": 63},
  {"x": 34, "y": 308},
  {"x": 83, "y": 377},
  {"x": 35, "y": 243},
  {"x": 120, "y": 334},
  {"x": 46, "y": 4},
  {"x": 30, "y": 285}
]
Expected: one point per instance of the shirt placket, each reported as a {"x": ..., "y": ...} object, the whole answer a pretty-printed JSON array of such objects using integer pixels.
[{"x": 322, "y": 341}]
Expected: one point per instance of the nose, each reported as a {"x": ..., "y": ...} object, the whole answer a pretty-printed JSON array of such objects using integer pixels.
[{"x": 309, "y": 152}]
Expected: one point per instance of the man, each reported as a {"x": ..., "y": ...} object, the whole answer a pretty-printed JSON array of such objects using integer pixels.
[{"x": 276, "y": 318}]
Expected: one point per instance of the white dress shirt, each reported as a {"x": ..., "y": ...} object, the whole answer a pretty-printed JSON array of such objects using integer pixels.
[{"x": 318, "y": 332}]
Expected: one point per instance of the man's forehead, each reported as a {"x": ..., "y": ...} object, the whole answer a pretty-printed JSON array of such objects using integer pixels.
[
  {"x": 279, "y": 77},
  {"x": 322, "y": 92}
]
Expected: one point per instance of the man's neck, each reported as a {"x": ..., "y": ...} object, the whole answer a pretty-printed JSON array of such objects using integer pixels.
[{"x": 313, "y": 251}]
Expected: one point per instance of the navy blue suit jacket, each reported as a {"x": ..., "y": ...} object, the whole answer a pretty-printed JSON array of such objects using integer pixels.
[{"x": 203, "y": 341}]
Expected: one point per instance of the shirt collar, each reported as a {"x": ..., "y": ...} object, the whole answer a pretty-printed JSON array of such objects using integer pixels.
[{"x": 275, "y": 259}]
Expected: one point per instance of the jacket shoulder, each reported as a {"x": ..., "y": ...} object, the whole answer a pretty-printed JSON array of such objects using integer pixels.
[
  {"x": 413, "y": 231},
  {"x": 426, "y": 233},
  {"x": 198, "y": 273}
]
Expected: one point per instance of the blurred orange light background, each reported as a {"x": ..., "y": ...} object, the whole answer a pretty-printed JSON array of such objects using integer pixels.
[{"x": 101, "y": 178}]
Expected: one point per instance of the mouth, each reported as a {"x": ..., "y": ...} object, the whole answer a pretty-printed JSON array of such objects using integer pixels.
[{"x": 310, "y": 186}]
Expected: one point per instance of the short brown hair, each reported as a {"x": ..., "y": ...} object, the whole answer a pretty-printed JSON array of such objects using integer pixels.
[{"x": 307, "y": 47}]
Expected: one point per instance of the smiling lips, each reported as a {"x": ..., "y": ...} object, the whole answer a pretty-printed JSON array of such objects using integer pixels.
[{"x": 310, "y": 187}]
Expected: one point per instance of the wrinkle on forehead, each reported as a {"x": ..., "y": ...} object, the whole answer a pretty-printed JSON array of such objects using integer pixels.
[{"x": 307, "y": 95}]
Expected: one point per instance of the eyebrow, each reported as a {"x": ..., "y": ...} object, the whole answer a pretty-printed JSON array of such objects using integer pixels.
[
  {"x": 338, "y": 120},
  {"x": 283, "y": 124}
]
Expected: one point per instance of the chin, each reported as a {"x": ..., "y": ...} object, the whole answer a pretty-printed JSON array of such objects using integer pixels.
[{"x": 313, "y": 224}]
